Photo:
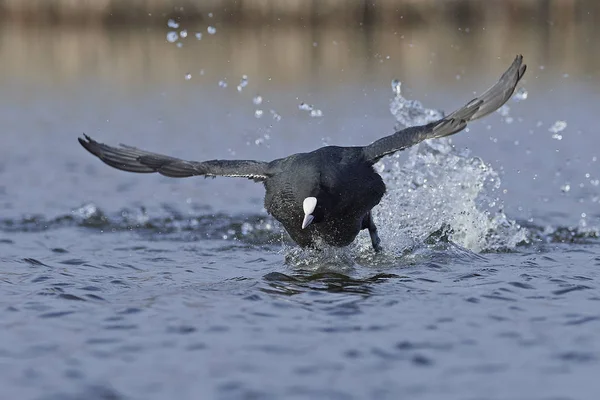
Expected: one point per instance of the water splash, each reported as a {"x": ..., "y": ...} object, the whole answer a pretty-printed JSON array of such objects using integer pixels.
[
  {"x": 172, "y": 24},
  {"x": 172, "y": 37},
  {"x": 275, "y": 115},
  {"x": 410, "y": 112},
  {"x": 558, "y": 126},
  {"x": 440, "y": 189},
  {"x": 313, "y": 112},
  {"x": 243, "y": 83},
  {"x": 521, "y": 94}
]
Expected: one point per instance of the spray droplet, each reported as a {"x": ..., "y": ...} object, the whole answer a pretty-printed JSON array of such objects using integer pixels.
[
  {"x": 396, "y": 87},
  {"x": 258, "y": 113},
  {"x": 199, "y": 35},
  {"x": 521, "y": 94},
  {"x": 276, "y": 116},
  {"x": 558, "y": 126},
  {"x": 172, "y": 24},
  {"x": 257, "y": 100},
  {"x": 243, "y": 83},
  {"x": 222, "y": 84},
  {"x": 211, "y": 30},
  {"x": 172, "y": 37},
  {"x": 188, "y": 77}
]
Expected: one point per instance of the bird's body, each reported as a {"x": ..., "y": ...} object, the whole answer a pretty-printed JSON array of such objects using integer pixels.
[
  {"x": 344, "y": 180},
  {"x": 325, "y": 195}
]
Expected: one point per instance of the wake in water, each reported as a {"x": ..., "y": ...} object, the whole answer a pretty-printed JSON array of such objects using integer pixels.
[{"x": 439, "y": 189}]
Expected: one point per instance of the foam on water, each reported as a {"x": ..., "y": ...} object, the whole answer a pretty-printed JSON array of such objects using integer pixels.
[{"x": 440, "y": 188}]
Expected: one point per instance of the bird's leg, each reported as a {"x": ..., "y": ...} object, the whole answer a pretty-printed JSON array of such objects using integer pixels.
[{"x": 368, "y": 223}]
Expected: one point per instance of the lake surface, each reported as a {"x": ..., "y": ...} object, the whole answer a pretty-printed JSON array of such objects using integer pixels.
[{"x": 125, "y": 286}]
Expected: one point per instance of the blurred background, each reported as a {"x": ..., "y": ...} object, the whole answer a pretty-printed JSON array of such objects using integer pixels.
[{"x": 58, "y": 40}]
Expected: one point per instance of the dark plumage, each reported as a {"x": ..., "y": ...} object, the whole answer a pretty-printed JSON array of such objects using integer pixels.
[{"x": 325, "y": 195}]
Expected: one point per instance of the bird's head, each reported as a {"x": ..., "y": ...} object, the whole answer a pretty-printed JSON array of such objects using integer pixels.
[{"x": 313, "y": 211}]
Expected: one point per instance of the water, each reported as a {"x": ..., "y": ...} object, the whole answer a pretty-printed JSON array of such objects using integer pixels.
[{"x": 125, "y": 286}]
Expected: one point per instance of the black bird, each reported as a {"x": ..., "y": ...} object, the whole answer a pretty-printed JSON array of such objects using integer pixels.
[{"x": 326, "y": 195}]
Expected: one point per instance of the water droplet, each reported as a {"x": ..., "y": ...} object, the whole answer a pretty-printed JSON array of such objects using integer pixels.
[
  {"x": 504, "y": 110},
  {"x": 246, "y": 228},
  {"x": 316, "y": 113},
  {"x": 199, "y": 35},
  {"x": 243, "y": 83},
  {"x": 558, "y": 126},
  {"x": 397, "y": 87},
  {"x": 521, "y": 94},
  {"x": 257, "y": 100},
  {"x": 172, "y": 37},
  {"x": 211, "y": 30},
  {"x": 210, "y": 15},
  {"x": 305, "y": 107},
  {"x": 222, "y": 84},
  {"x": 276, "y": 116},
  {"x": 188, "y": 77},
  {"x": 179, "y": 44},
  {"x": 183, "y": 33},
  {"x": 258, "y": 113},
  {"x": 172, "y": 24},
  {"x": 565, "y": 188}
]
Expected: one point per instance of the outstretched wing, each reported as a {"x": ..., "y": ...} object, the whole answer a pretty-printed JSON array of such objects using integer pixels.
[
  {"x": 479, "y": 107},
  {"x": 127, "y": 158}
]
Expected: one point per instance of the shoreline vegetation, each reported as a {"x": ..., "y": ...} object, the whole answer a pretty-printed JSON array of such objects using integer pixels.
[
  {"x": 37, "y": 47},
  {"x": 299, "y": 12}
]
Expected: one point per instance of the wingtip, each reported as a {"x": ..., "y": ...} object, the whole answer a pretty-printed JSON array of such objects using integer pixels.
[
  {"x": 521, "y": 67},
  {"x": 85, "y": 139},
  {"x": 522, "y": 71},
  {"x": 87, "y": 143},
  {"x": 82, "y": 140}
]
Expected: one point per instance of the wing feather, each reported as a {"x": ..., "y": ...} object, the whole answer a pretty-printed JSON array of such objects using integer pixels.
[
  {"x": 128, "y": 158},
  {"x": 479, "y": 107}
]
